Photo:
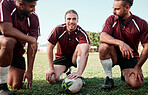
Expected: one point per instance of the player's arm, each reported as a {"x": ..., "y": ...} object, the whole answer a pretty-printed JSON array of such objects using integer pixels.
[
  {"x": 137, "y": 68},
  {"x": 8, "y": 30},
  {"x": 84, "y": 56},
  {"x": 51, "y": 71},
  {"x": 30, "y": 61},
  {"x": 124, "y": 48}
]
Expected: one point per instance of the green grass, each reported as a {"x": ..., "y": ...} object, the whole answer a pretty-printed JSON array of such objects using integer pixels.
[{"x": 94, "y": 78}]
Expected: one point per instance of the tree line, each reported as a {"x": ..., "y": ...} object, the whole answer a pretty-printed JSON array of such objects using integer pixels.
[{"x": 94, "y": 38}]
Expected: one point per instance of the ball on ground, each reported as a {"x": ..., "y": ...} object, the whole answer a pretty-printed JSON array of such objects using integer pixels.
[{"x": 72, "y": 85}]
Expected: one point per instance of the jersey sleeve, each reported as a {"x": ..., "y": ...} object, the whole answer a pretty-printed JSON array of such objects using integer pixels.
[
  {"x": 5, "y": 11},
  {"x": 53, "y": 37},
  {"x": 83, "y": 37},
  {"x": 34, "y": 29},
  {"x": 107, "y": 27},
  {"x": 144, "y": 33}
]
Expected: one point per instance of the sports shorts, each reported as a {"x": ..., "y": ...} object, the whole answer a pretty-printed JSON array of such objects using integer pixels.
[
  {"x": 64, "y": 60},
  {"x": 125, "y": 63},
  {"x": 18, "y": 61}
]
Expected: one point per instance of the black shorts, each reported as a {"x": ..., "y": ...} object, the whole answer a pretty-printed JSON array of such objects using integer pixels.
[
  {"x": 64, "y": 60},
  {"x": 18, "y": 61},
  {"x": 125, "y": 63}
]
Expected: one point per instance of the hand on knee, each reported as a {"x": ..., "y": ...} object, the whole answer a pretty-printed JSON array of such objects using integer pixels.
[
  {"x": 53, "y": 79},
  {"x": 134, "y": 83}
]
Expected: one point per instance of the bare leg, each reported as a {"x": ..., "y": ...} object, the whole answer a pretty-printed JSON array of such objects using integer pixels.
[{"x": 15, "y": 77}]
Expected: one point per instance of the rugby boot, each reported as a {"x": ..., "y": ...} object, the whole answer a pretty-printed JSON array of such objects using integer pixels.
[
  {"x": 4, "y": 90},
  {"x": 108, "y": 84},
  {"x": 122, "y": 77},
  {"x": 68, "y": 71}
]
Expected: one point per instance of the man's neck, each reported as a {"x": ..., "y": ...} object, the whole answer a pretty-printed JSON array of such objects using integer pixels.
[{"x": 127, "y": 16}]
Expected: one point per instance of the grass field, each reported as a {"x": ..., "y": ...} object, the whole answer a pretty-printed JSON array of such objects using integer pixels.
[{"x": 94, "y": 78}]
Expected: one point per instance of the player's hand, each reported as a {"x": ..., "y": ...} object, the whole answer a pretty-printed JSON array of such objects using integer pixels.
[
  {"x": 51, "y": 76},
  {"x": 74, "y": 75},
  {"x": 29, "y": 77},
  {"x": 138, "y": 74},
  {"x": 127, "y": 51}
]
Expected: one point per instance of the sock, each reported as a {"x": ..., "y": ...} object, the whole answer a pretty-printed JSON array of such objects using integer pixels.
[
  {"x": 78, "y": 62},
  {"x": 107, "y": 66},
  {"x": 3, "y": 74}
]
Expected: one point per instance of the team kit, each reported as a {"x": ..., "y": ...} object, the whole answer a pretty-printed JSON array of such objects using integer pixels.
[{"x": 120, "y": 38}]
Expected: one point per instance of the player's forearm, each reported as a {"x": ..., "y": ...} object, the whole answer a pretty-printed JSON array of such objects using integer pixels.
[
  {"x": 83, "y": 63},
  {"x": 143, "y": 56},
  {"x": 50, "y": 57},
  {"x": 30, "y": 58},
  {"x": 106, "y": 38},
  {"x": 8, "y": 30},
  {"x": 83, "y": 57}
]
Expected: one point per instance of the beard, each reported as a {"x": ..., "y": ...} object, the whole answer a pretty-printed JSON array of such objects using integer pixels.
[
  {"x": 117, "y": 17},
  {"x": 71, "y": 27}
]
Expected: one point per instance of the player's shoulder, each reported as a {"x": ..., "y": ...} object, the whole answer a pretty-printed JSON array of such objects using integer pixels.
[
  {"x": 110, "y": 19},
  {"x": 34, "y": 16},
  {"x": 140, "y": 21},
  {"x": 61, "y": 27},
  {"x": 9, "y": 4}
]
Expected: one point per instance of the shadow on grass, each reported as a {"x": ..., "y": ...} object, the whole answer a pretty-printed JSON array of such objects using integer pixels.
[{"x": 41, "y": 87}]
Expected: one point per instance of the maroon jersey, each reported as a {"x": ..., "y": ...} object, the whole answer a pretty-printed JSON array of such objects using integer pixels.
[
  {"x": 132, "y": 31},
  {"x": 67, "y": 41},
  {"x": 27, "y": 25}
]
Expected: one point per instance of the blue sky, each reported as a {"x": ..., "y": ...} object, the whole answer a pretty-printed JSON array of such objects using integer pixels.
[{"x": 92, "y": 13}]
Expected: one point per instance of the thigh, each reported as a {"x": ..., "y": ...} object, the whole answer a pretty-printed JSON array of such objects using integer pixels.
[
  {"x": 64, "y": 61},
  {"x": 15, "y": 77}
]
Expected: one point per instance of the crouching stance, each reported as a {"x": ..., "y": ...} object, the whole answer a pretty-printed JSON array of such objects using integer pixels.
[
  {"x": 119, "y": 39},
  {"x": 72, "y": 48},
  {"x": 18, "y": 25}
]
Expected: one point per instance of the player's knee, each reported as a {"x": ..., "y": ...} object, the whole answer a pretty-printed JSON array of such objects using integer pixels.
[
  {"x": 17, "y": 85},
  {"x": 134, "y": 84},
  {"x": 103, "y": 50},
  {"x": 8, "y": 44}
]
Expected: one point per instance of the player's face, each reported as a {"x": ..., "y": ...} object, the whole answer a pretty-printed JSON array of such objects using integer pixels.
[
  {"x": 71, "y": 21},
  {"x": 29, "y": 7},
  {"x": 119, "y": 10}
]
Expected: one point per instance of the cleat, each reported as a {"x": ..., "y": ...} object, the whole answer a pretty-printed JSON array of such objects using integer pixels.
[
  {"x": 84, "y": 84},
  {"x": 67, "y": 72},
  {"x": 108, "y": 84},
  {"x": 4, "y": 90},
  {"x": 122, "y": 77}
]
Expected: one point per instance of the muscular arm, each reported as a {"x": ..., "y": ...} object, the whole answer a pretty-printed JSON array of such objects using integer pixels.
[
  {"x": 143, "y": 56},
  {"x": 50, "y": 55},
  {"x": 137, "y": 69},
  {"x": 30, "y": 61},
  {"x": 124, "y": 48},
  {"x": 8, "y": 30},
  {"x": 51, "y": 71},
  {"x": 84, "y": 56}
]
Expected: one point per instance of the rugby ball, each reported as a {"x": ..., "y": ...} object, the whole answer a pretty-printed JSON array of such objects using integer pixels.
[{"x": 72, "y": 85}]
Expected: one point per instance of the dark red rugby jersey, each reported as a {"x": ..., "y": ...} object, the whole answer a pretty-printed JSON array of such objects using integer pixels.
[
  {"x": 27, "y": 25},
  {"x": 67, "y": 41},
  {"x": 132, "y": 31}
]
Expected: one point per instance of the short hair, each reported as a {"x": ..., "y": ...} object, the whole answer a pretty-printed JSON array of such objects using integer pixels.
[
  {"x": 126, "y": 2},
  {"x": 26, "y": 0},
  {"x": 71, "y": 11}
]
